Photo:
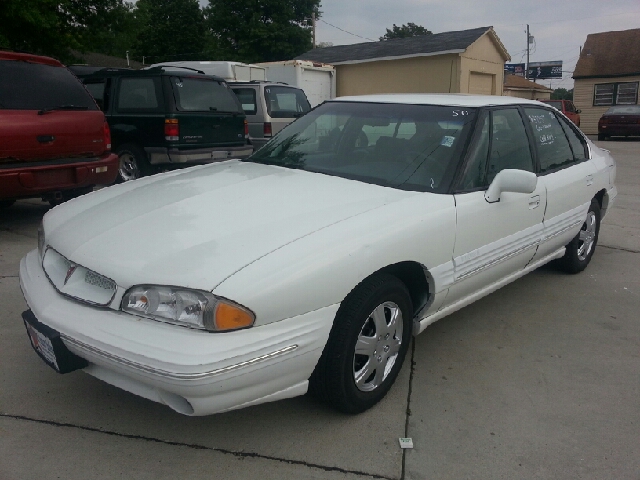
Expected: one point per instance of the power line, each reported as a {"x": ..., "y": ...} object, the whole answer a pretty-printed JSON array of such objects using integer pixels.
[{"x": 345, "y": 31}]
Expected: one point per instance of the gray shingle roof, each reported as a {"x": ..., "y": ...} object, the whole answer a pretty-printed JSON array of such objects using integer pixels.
[{"x": 398, "y": 47}]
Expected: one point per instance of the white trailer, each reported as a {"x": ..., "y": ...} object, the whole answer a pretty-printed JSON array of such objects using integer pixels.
[
  {"x": 230, "y": 71},
  {"x": 318, "y": 80}
]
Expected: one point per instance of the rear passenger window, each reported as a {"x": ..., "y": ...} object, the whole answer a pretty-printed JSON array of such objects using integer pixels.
[
  {"x": 247, "y": 97},
  {"x": 578, "y": 145},
  {"x": 138, "y": 94},
  {"x": 553, "y": 147}
]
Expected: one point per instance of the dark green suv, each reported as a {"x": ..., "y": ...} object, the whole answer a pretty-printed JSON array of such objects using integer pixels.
[{"x": 162, "y": 119}]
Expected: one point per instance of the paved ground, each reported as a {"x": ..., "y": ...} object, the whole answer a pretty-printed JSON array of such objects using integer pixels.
[{"x": 539, "y": 380}]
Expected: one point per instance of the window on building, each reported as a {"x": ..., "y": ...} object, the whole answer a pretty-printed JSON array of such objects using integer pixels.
[{"x": 625, "y": 93}]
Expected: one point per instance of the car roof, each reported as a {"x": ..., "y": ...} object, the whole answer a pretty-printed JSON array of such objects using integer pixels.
[
  {"x": 119, "y": 72},
  {"x": 262, "y": 82},
  {"x": 456, "y": 99},
  {"x": 27, "y": 57}
]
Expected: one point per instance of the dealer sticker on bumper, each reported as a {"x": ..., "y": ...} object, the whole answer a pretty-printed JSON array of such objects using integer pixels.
[{"x": 42, "y": 344}]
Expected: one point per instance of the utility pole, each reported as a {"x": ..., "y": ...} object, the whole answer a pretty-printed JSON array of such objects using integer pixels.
[
  {"x": 313, "y": 24},
  {"x": 526, "y": 68}
]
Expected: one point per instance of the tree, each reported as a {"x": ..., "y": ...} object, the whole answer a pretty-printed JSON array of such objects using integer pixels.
[
  {"x": 562, "y": 94},
  {"x": 35, "y": 26},
  {"x": 169, "y": 30},
  {"x": 324, "y": 44},
  {"x": 259, "y": 30},
  {"x": 408, "y": 30},
  {"x": 54, "y": 28}
]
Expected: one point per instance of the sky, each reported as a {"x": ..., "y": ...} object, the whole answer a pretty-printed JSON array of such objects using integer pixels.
[{"x": 559, "y": 27}]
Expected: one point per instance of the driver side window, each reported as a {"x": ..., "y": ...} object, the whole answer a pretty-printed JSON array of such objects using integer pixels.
[{"x": 502, "y": 143}]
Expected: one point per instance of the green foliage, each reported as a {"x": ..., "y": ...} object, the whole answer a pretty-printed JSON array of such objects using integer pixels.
[
  {"x": 403, "y": 31},
  {"x": 53, "y": 28},
  {"x": 562, "y": 94},
  {"x": 35, "y": 26},
  {"x": 159, "y": 30},
  {"x": 169, "y": 30},
  {"x": 259, "y": 30}
]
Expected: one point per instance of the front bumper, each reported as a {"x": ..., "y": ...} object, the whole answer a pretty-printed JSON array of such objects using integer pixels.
[
  {"x": 27, "y": 179},
  {"x": 161, "y": 156},
  {"x": 192, "y": 371}
]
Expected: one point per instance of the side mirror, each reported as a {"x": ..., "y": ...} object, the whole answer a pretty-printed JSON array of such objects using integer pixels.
[
  {"x": 578, "y": 111},
  {"x": 509, "y": 180}
]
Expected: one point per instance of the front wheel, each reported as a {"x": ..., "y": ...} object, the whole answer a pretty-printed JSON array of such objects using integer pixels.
[
  {"x": 580, "y": 250},
  {"x": 367, "y": 345}
]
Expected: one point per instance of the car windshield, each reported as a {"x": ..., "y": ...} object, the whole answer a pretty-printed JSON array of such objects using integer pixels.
[
  {"x": 196, "y": 94},
  {"x": 409, "y": 147},
  {"x": 34, "y": 86},
  {"x": 624, "y": 110}
]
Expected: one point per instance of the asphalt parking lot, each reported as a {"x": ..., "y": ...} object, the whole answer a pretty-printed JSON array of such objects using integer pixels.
[{"x": 538, "y": 380}]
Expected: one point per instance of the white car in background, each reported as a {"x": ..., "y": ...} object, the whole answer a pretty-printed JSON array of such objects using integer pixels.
[{"x": 310, "y": 264}]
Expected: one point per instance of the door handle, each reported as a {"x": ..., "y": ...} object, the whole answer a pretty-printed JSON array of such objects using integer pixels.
[
  {"x": 589, "y": 180},
  {"x": 45, "y": 138},
  {"x": 534, "y": 202}
]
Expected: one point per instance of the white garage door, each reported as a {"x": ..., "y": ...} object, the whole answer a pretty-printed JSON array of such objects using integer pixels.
[{"x": 481, "y": 83}]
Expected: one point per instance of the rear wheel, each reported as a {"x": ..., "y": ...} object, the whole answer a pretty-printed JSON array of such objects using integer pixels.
[
  {"x": 133, "y": 163},
  {"x": 580, "y": 250},
  {"x": 602, "y": 137},
  {"x": 366, "y": 346}
]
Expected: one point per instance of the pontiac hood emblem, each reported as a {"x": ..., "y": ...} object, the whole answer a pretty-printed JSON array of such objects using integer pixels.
[{"x": 70, "y": 271}]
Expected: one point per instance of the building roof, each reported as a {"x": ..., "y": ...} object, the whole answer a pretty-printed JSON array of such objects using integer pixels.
[
  {"x": 516, "y": 82},
  {"x": 423, "y": 45},
  {"x": 610, "y": 54}
]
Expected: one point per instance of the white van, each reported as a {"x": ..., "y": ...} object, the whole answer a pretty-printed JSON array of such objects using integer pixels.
[{"x": 230, "y": 71}]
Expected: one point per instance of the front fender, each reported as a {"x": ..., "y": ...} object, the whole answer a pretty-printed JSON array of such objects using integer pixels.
[{"x": 320, "y": 269}]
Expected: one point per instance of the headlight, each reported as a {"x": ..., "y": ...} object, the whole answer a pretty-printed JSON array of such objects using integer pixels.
[
  {"x": 192, "y": 308},
  {"x": 41, "y": 239}
]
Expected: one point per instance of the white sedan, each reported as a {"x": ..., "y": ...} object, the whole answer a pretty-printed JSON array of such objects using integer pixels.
[{"x": 309, "y": 265}]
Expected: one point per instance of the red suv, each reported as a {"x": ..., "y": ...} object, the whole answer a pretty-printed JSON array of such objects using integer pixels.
[
  {"x": 567, "y": 107},
  {"x": 54, "y": 140}
]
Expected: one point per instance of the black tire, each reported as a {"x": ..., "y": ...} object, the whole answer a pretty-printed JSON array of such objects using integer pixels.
[
  {"x": 6, "y": 203},
  {"x": 601, "y": 137},
  {"x": 334, "y": 378},
  {"x": 580, "y": 250},
  {"x": 133, "y": 164}
]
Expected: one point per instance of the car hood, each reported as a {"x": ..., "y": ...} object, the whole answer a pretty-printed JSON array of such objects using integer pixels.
[{"x": 196, "y": 227}]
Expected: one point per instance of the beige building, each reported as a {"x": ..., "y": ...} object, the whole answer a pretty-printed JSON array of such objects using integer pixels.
[
  {"x": 607, "y": 73},
  {"x": 468, "y": 61},
  {"x": 517, "y": 86}
]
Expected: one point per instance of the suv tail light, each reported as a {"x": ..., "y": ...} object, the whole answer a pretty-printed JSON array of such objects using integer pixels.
[
  {"x": 267, "y": 129},
  {"x": 171, "y": 129},
  {"x": 246, "y": 128},
  {"x": 106, "y": 136}
]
